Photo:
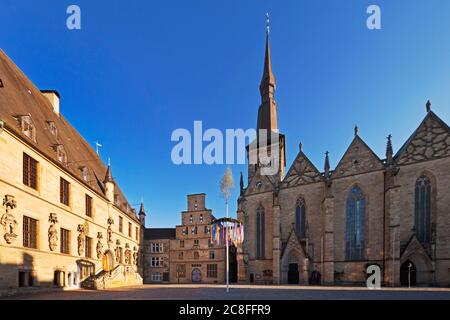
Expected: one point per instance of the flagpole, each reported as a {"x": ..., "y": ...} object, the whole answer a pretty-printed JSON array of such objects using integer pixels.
[{"x": 227, "y": 251}]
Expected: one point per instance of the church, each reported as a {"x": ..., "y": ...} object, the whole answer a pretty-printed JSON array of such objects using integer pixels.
[{"x": 325, "y": 226}]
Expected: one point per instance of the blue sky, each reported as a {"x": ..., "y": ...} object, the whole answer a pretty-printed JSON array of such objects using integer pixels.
[{"x": 137, "y": 70}]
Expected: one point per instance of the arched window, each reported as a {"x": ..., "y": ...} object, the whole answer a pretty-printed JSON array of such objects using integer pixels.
[
  {"x": 260, "y": 233},
  {"x": 300, "y": 218},
  {"x": 355, "y": 225},
  {"x": 423, "y": 209}
]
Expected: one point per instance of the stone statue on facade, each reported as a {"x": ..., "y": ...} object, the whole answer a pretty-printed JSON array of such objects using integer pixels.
[
  {"x": 81, "y": 239},
  {"x": 8, "y": 220},
  {"x": 53, "y": 232},
  {"x": 99, "y": 245}
]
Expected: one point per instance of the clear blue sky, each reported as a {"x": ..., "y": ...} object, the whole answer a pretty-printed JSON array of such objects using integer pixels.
[{"x": 137, "y": 70}]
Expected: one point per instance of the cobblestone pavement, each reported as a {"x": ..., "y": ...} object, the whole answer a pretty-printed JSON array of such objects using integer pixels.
[{"x": 240, "y": 292}]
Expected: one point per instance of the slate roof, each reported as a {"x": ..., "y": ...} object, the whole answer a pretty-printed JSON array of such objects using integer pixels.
[
  {"x": 19, "y": 96},
  {"x": 159, "y": 233}
]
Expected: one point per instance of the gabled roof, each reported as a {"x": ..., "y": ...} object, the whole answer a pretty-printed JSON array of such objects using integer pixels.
[
  {"x": 19, "y": 96},
  {"x": 358, "y": 158},
  {"x": 302, "y": 171},
  {"x": 159, "y": 233},
  {"x": 430, "y": 140}
]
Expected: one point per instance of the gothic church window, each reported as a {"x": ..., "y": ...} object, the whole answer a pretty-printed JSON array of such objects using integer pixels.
[
  {"x": 423, "y": 209},
  {"x": 300, "y": 218},
  {"x": 355, "y": 225},
  {"x": 260, "y": 224}
]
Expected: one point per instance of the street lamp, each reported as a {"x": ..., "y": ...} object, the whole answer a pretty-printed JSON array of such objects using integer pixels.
[{"x": 409, "y": 274}]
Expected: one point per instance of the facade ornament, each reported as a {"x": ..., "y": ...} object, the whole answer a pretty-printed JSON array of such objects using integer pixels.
[
  {"x": 99, "y": 245},
  {"x": 127, "y": 254},
  {"x": 109, "y": 232},
  {"x": 8, "y": 220},
  {"x": 81, "y": 239},
  {"x": 53, "y": 232},
  {"x": 135, "y": 256},
  {"x": 356, "y": 131},
  {"x": 118, "y": 252},
  {"x": 428, "y": 106}
]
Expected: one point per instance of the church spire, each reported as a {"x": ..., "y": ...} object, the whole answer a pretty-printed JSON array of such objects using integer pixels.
[
  {"x": 389, "y": 151},
  {"x": 267, "y": 113},
  {"x": 327, "y": 165}
]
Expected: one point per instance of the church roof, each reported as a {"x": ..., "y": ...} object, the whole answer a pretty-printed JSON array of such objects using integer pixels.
[
  {"x": 18, "y": 97},
  {"x": 430, "y": 140}
]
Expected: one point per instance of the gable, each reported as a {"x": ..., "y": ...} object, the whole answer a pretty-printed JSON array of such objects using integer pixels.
[
  {"x": 260, "y": 183},
  {"x": 301, "y": 172},
  {"x": 293, "y": 246},
  {"x": 358, "y": 158},
  {"x": 431, "y": 140}
]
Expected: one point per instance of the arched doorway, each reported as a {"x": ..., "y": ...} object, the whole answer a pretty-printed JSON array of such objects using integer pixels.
[
  {"x": 408, "y": 274},
  {"x": 293, "y": 274},
  {"x": 108, "y": 261},
  {"x": 196, "y": 275}
]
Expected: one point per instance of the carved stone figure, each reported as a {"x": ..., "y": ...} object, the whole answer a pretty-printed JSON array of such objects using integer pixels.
[
  {"x": 8, "y": 220},
  {"x": 53, "y": 232},
  {"x": 99, "y": 245},
  {"x": 109, "y": 232},
  {"x": 135, "y": 256},
  {"x": 81, "y": 239},
  {"x": 118, "y": 252}
]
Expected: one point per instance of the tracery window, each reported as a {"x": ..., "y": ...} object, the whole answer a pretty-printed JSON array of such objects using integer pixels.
[
  {"x": 260, "y": 230},
  {"x": 355, "y": 224},
  {"x": 422, "y": 206},
  {"x": 300, "y": 218}
]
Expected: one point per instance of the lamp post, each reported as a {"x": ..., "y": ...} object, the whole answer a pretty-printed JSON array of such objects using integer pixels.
[
  {"x": 226, "y": 184},
  {"x": 409, "y": 274}
]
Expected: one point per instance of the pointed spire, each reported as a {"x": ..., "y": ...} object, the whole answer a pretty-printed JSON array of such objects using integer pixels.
[
  {"x": 241, "y": 183},
  {"x": 108, "y": 175},
  {"x": 267, "y": 86},
  {"x": 327, "y": 165},
  {"x": 142, "y": 209},
  {"x": 267, "y": 113},
  {"x": 428, "y": 106},
  {"x": 389, "y": 151}
]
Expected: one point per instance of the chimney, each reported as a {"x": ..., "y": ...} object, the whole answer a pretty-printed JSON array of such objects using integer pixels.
[{"x": 53, "y": 97}]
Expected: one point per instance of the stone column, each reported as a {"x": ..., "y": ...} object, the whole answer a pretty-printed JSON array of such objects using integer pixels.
[
  {"x": 276, "y": 245},
  {"x": 328, "y": 242},
  {"x": 392, "y": 234},
  {"x": 241, "y": 252}
]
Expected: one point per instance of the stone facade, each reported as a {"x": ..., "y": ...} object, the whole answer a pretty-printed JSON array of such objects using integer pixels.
[
  {"x": 188, "y": 256},
  {"x": 46, "y": 241},
  {"x": 389, "y": 188}
]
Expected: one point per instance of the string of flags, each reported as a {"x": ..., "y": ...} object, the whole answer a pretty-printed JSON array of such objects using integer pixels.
[{"x": 218, "y": 232}]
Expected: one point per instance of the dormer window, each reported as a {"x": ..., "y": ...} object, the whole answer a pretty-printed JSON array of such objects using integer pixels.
[
  {"x": 85, "y": 173},
  {"x": 28, "y": 127},
  {"x": 53, "y": 129},
  {"x": 61, "y": 153}
]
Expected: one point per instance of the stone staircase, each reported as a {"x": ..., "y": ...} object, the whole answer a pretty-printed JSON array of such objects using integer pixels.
[{"x": 120, "y": 276}]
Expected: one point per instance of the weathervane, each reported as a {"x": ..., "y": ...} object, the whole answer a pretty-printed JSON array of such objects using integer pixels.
[{"x": 267, "y": 23}]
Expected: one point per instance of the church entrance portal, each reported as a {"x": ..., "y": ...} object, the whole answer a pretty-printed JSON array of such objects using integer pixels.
[
  {"x": 408, "y": 274},
  {"x": 196, "y": 275},
  {"x": 293, "y": 274}
]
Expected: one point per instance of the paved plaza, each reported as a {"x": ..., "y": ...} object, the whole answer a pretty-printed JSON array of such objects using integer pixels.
[{"x": 241, "y": 292}]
